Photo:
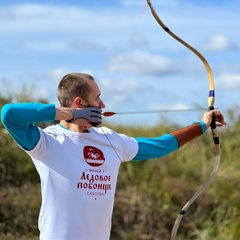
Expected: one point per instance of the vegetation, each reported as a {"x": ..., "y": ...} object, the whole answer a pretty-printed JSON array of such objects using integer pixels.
[{"x": 149, "y": 194}]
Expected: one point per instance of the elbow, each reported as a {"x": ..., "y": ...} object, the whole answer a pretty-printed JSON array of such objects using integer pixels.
[{"x": 6, "y": 113}]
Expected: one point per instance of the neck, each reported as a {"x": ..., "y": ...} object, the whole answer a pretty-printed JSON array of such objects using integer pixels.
[{"x": 73, "y": 127}]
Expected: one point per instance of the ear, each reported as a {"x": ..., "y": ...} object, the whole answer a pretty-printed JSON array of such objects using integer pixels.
[{"x": 77, "y": 102}]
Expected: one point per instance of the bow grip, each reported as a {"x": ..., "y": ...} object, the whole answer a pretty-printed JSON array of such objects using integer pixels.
[
  {"x": 213, "y": 126},
  {"x": 213, "y": 123}
]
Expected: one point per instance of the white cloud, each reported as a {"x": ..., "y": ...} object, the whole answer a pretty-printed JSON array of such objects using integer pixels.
[
  {"x": 47, "y": 18},
  {"x": 57, "y": 73},
  {"x": 219, "y": 42},
  {"x": 124, "y": 86},
  {"x": 141, "y": 63},
  {"x": 57, "y": 45},
  {"x": 86, "y": 46},
  {"x": 138, "y": 40},
  {"x": 172, "y": 106},
  {"x": 45, "y": 46},
  {"x": 230, "y": 81}
]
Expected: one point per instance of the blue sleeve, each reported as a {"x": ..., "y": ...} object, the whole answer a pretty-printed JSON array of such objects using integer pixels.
[
  {"x": 158, "y": 147},
  {"x": 19, "y": 119},
  {"x": 155, "y": 147},
  {"x": 203, "y": 126}
]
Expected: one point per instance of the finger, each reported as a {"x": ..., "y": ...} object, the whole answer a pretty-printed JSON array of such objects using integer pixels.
[
  {"x": 95, "y": 114},
  {"x": 217, "y": 112},
  {"x": 95, "y": 119},
  {"x": 95, "y": 109}
]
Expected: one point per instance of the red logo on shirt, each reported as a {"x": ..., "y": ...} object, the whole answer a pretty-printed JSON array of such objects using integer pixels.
[{"x": 93, "y": 156}]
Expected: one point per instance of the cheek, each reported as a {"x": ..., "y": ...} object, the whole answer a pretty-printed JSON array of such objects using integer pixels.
[{"x": 96, "y": 103}]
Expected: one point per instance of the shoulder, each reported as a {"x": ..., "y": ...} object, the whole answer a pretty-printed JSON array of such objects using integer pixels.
[
  {"x": 51, "y": 129},
  {"x": 54, "y": 131},
  {"x": 114, "y": 136},
  {"x": 104, "y": 130},
  {"x": 109, "y": 132}
]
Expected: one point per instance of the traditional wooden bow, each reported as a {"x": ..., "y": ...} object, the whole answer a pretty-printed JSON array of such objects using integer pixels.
[{"x": 213, "y": 124}]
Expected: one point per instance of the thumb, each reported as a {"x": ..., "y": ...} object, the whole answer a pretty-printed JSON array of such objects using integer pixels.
[{"x": 207, "y": 118}]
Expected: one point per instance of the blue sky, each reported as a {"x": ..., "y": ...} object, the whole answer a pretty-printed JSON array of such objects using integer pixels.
[{"x": 136, "y": 64}]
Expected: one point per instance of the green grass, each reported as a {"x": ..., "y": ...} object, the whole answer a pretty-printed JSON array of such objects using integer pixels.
[{"x": 149, "y": 194}]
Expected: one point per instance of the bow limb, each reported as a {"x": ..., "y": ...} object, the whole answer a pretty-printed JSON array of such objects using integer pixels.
[
  {"x": 211, "y": 99},
  {"x": 208, "y": 68}
]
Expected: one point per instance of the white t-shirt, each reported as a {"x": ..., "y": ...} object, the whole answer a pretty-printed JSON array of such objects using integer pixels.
[{"x": 78, "y": 173}]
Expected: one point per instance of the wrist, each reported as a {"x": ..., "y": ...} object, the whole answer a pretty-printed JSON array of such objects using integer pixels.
[
  {"x": 188, "y": 133},
  {"x": 71, "y": 115},
  {"x": 203, "y": 126},
  {"x": 63, "y": 113}
]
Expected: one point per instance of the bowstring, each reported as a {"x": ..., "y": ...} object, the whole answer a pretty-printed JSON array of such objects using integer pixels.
[{"x": 104, "y": 133}]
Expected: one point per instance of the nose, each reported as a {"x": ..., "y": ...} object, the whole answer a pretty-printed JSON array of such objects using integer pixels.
[{"x": 102, "y": 105}]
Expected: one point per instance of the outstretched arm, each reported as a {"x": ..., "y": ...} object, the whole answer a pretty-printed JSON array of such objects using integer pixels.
[{"x": 163, "y": 145}]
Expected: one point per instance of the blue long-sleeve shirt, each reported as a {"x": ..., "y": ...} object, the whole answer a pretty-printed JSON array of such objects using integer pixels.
[{"x": 19, "y": 119}]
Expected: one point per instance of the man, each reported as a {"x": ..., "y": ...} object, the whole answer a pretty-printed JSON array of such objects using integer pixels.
[{"x": 78, "y": 162}]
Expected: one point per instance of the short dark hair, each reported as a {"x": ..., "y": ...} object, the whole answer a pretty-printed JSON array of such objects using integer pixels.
[{"x": 73, "y": 85}]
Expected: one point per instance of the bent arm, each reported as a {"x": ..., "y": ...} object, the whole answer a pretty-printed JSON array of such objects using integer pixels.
[
  {"x": 163, "y": 145},
  {"x": 19, "y": 119}
]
